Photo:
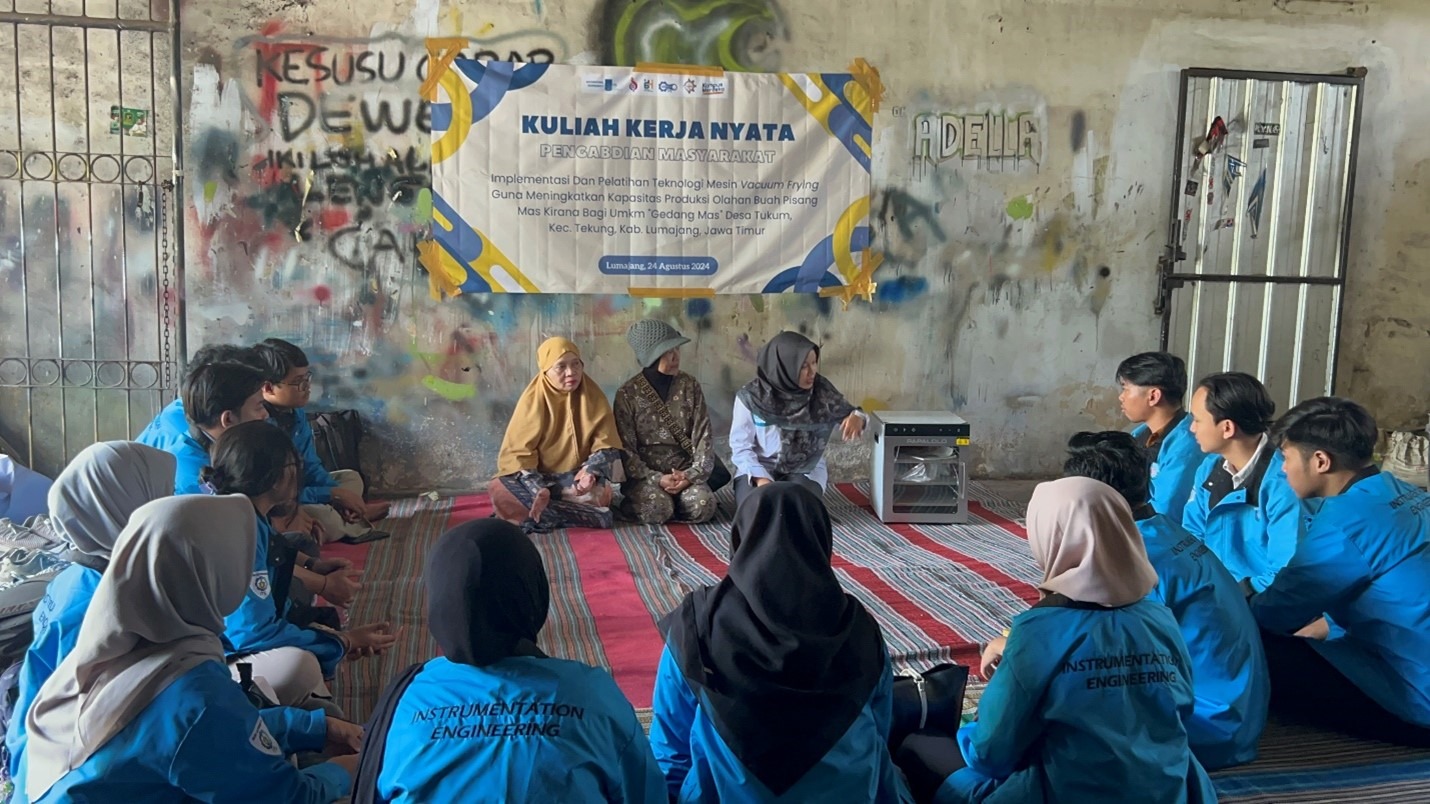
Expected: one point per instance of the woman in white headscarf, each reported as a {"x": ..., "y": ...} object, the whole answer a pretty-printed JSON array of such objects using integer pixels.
[
  {"x": 90, "y": 503},
  {"x": 1088, "y": 699},
  {"x": 144, "y": 709}
]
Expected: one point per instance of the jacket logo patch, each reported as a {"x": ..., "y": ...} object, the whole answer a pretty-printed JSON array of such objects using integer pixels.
[
  {"x": 260, "y": 585},
  {"x": 263, "y": 741},
  {"x": 1153, "y": 472}
]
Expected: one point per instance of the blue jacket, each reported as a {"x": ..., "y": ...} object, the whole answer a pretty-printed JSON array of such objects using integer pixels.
[
  {"x": 169, "y": 431},
  {"x": 1174, "y": 469},
  {"x": 699, "y": 767},
  {"x": 56, "y": 620},
  {"x": 318, "y": 482},
  {"x": 521, "y": 729},
  {"x": 168, "y": 428},
  {"x": 1253, "y": 529},
  {"x": 1087, "y": 705},
  {"x": 200, "y": 739},
  {"x": 256, "y": 626},
  {"x": 1365, "y": 563},
  {"x": 1229, "y": 676}
]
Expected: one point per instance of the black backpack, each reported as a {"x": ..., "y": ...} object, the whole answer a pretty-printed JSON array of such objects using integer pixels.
[{"x": 337, "y": 436}]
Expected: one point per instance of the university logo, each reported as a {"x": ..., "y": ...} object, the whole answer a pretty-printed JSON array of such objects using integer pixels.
[
  {"x": 259, "y": 585},
  {"x": 263, "y": 741}
]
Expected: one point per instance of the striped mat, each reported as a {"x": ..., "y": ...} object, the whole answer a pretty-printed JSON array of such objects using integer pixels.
[
  {"x": 607, "y": 591},
  {"x": 936, "y": 590}
]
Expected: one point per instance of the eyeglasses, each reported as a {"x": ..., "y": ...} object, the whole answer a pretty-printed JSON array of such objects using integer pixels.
[
  {"x": 567, "y": 368},
  {"x": 305, "y": 383}
]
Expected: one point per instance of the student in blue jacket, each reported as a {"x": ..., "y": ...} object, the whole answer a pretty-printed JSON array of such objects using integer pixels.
[
  {"x": 493, "y": 718},
  {"x": 1228, "y": 666},
  {"x": 1241, "y": 505},
  {"x": 89, "y": 503},
  {"x": 334, "y": 499},
  {"x": 1088, "y": 700},
  {"x": 168, "y": 429},
  {"x": 143, "y": 709},
  {"x": 1349, "y": 616},
  {"x": 775, "y": 685},
  {"x": 216, "y": 396},
  {"x": 1153, "y": 386},
  {"x": 258, "y": 461}
]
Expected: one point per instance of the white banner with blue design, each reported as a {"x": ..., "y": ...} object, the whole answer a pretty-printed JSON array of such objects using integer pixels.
[{"x": 662, "y": 181}]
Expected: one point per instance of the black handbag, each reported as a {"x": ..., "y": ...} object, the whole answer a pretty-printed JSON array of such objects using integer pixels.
[
  {"x": 929, "y": 700},
  {"x": 337, "y": 438}
]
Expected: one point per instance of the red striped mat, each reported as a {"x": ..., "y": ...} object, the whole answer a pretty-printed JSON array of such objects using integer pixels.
[
  {"x": 938, "y": 591},
  {"x": 608, "y": 589}
]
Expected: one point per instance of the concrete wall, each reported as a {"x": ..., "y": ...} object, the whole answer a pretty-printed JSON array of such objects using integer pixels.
[{"x": 1011, "y": 287}]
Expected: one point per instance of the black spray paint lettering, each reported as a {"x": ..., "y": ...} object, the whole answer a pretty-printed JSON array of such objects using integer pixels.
[
  {"x": 368, "y": 249},
  {"x": 1267, "y": 130},
  {"x": 303, "y": 65},
  {"x": 297, "y": 112}
]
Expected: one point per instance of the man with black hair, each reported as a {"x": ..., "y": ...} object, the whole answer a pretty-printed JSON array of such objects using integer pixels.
[
  {"x": 1241, "y": 504},
  {"x": 1355, "y": 592},
  {"x": 1153, "y": 385},
  {"x": 333, "y": 499},
  {"x": 1229, "y": 668},
  {"x": 216, "y": 396},
  {"x": 167, "y": 430}
]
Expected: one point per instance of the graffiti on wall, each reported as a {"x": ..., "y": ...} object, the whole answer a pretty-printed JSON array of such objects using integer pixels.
[
  {"x": 733, "y": 34},
  {"x": 311, "y": 154},
  {"x": 1002, "y": 140}
]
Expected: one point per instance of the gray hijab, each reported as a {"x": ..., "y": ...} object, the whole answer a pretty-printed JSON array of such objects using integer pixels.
[
  {"x": 179, "y": 567},
  {"x": 92, "y": 499}
]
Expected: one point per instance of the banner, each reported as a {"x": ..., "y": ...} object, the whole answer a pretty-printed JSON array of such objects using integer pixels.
[{"x": 554, "y": 178}]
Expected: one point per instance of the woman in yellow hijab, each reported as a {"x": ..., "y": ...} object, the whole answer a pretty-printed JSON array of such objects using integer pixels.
[{"x": 562, "y": 452}]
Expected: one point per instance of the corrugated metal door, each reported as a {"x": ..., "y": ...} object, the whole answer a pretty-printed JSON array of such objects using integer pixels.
[
  {"x": 1254, "y": 274},
  {"x": 90, "y": 292}
]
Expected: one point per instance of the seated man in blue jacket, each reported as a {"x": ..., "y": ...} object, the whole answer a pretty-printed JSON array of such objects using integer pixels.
[
  {"x": 1355, "y": 592},
  {"x": 334, "y": 499},
  {"x": 1241, "y": 505},
  {"x": 1153, "y": 385},
  {"x": 215, "y": 397},
  {"x": 171, "y": 425},
  {"x": 219, "y": 393},
  {"x": 1228, "y": 666}
]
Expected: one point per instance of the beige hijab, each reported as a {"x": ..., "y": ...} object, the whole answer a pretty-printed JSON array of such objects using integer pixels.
[
  {"x": 178, "y": 568},
  {"x": 552, "y": 430},
  {"x": 1083, "y": 536}
]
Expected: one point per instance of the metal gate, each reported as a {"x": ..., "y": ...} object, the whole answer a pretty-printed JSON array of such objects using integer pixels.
[
  {"x": 1252, "y": 278},
  {"x": 91, "y": 314}
]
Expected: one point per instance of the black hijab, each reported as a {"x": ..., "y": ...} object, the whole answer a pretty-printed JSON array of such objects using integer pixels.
[
  {"x": 782, "y": 660},
  {"x": 487, "y": 599},
  {"x": 805, "y": 417},
  {"x": 660, "y": 382},
  {"x": 487, "y": 593}
]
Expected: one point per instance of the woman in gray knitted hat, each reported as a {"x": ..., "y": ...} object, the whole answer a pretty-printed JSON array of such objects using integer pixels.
[{"x": 665, "y": 428}]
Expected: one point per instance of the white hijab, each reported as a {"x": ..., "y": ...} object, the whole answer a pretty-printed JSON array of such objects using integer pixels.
[
  {"x": 1083, "y": 537},
  {"x": 179, "y": 567},
  {"x": 91, "y": 500}
]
